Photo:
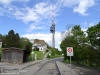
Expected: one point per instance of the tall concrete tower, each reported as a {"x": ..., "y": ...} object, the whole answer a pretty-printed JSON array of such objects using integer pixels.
[{"x": 52, "y": 29}]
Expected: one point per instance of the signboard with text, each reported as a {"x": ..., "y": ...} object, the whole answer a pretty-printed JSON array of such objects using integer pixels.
[{"x": 69, "y": 51}]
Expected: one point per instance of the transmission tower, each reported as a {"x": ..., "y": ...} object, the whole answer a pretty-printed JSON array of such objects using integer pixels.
[{"x": 52, "y": 28}]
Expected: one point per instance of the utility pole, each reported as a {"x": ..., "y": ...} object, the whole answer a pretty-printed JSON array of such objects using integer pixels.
[
  {"x": 32, "y": 49},
  {"x": 52, "y": 29}
]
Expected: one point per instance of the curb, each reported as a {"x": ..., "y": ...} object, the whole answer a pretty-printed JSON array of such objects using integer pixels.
[{"x": 58, "y": 68}]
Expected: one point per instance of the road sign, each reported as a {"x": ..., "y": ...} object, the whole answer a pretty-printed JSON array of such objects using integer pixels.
[{"x": 69, "y": 51}]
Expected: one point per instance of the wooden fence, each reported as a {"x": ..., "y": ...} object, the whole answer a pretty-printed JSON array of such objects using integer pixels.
[{"x": 12, "y": 55}]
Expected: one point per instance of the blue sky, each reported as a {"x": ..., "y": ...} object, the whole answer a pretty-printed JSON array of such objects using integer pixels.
[{"x": 33, "y": 18}]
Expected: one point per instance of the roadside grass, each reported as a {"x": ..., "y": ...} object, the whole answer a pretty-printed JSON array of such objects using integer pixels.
[
  {"x": 55, "y": 56},
  {"x": 1, "y": 48},
  {"x": 81, "y": 63},
  {"x": 39, "y": 54},
  {"x": 74, "y": 62}
]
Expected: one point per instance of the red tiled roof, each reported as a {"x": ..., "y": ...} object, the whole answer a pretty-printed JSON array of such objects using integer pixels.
[{"x": 37, "y": 41}]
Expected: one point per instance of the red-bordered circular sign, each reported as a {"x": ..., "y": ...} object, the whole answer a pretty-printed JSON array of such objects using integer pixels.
[{"x": 69, "y": 50}]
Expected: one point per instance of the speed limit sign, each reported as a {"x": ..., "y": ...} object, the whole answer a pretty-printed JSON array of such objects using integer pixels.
[{"x": 69, "y": 51}]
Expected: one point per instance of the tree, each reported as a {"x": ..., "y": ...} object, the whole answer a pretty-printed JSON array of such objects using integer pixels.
[
  {"x": 25, "y": 43},
  {"x": 94, "y": 36},
  {"x": 4, "y": 41},
  {"x": 86, "y": 48},
  {"x": 67, "y": 42},
  {"x": 76, "y": 40},
  {"x": 12, "y": 39},
  {"x": 94, "y": 39},
  {"x": 0, "y": 36}
]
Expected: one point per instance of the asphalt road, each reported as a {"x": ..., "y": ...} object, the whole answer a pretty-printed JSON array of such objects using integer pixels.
[
  {"x": 48, "y": 67},
  {"x": 42, "y": 68}
]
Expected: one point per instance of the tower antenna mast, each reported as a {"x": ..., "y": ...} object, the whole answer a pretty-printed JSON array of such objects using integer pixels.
[{"x": 52, "y": 29}]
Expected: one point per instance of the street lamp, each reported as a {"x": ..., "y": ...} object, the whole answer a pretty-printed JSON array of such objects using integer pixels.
[{"x": 32, "y": 49}]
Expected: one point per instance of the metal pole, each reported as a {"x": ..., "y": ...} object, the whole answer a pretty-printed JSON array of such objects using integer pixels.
[
  {"x": 70, "y": 66},
  {"x": 53, "y": 40}
]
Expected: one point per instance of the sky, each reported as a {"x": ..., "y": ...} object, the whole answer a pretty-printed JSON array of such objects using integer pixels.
[{"x": 33, "y": 18}]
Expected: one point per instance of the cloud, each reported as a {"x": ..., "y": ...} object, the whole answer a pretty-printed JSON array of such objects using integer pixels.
[
  {"x": 47, "y": 37},
  {"x": 89, "y": 25},
  {"x": 83, "y": 6},
  {"x": 79, "y": 6},
  {"x": 92, "y": 24},
  {"x": 84, "y": 29},
  {"x": 2, "y": 11},
  {"x": 85, "y": 23},
  {"x": 67, "y": 3},
  {"x": 7, "y": 2},
  {"x": 26, "y": 15},
  {"x": 41, "y": 13},
  {"x": 34, "y": 27}
]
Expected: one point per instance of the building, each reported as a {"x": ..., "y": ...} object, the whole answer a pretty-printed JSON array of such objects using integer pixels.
[
  {"x": 15, "y": 55},
  {"x": 41, "y": 44},
  {"x": 0, "y": 43}
]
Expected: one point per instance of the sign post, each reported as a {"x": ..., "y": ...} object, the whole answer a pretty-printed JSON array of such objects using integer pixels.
[{"x": 70, "y": 53}]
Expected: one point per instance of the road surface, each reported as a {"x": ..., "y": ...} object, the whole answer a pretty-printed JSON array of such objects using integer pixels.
[
  {"x": 83, "y": 70},
  {"x": 48, "y": 67}
]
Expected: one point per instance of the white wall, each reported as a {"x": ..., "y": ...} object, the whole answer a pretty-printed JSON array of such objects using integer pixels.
[{"x": 41, "y": 48}]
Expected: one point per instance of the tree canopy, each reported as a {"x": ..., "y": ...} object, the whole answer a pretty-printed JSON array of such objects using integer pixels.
[
  {"x": 13, "y": 39},
  {"x": 86, "y": 46}
]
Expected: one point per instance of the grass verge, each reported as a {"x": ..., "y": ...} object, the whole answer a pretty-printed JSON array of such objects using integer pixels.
[
  {"x": 80, "y": 63},
  {"x": 55, "y": 56},
  {"x": 39, "y": 54}
]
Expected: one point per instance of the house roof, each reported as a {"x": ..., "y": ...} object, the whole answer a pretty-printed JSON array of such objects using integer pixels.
[{"x": 39, "y": 42}]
